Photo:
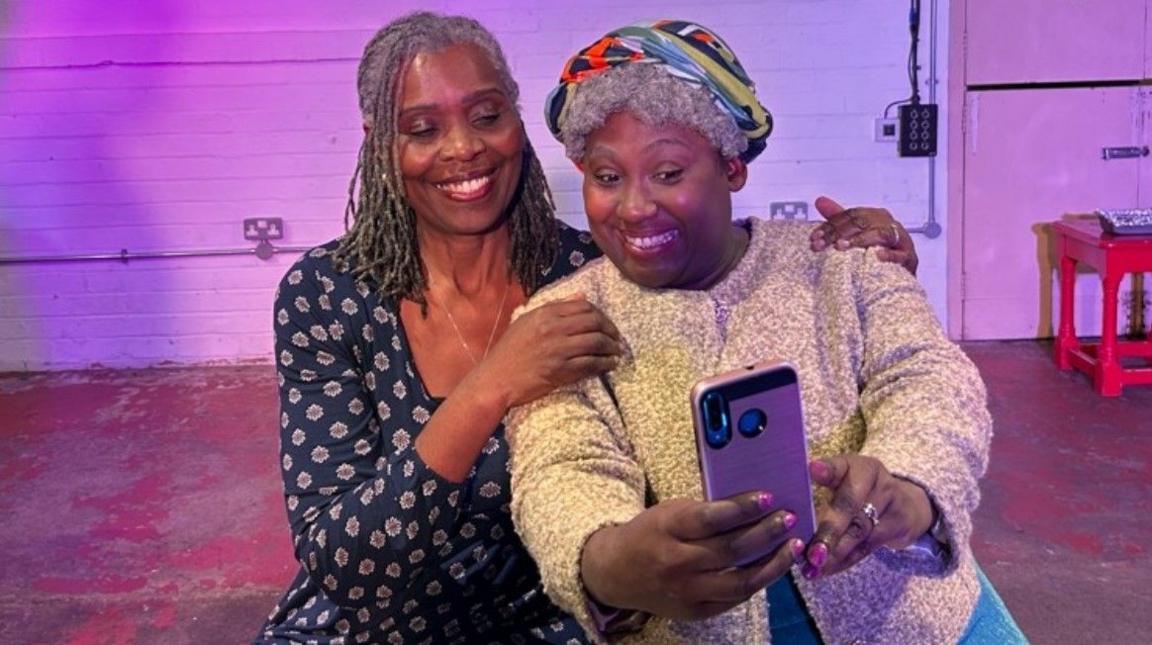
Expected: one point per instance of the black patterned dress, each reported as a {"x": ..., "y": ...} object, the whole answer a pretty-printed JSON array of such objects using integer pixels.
[{"x": 390, "y": 552}]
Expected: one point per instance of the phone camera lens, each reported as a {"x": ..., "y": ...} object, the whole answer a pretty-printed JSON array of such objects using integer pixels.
[
  {"x": 717, "y": 431},
  {"x": 752, "y": 422}
]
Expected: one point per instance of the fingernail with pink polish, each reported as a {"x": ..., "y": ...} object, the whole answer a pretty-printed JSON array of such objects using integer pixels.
[
  {"x": 765, "y": 500},
  {"x": 818, "y": 555},
  {"x": 797, "y": 550},
  {"x": 819, "y": 469},
  {"x": 789, "y": 520},
  {"x": 810, "y": 571}
]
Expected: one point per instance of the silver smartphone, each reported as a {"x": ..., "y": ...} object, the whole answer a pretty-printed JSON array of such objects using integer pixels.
[{"x": 750, "y": 436}]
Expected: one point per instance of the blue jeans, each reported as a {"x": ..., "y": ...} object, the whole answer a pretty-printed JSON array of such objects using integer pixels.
[
  {"x": 991, "y": 623},
  {"x": 791, "y": 624}
]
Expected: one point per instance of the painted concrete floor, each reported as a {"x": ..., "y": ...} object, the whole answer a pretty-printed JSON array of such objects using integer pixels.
[{"x": 144, "y": 506}]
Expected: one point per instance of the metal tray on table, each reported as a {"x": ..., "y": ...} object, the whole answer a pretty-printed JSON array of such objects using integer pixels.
[{"x": 1126, "y": 221}]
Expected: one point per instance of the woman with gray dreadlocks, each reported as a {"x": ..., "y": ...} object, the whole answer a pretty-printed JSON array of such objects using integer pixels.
[{"x": 397, "y": 360}]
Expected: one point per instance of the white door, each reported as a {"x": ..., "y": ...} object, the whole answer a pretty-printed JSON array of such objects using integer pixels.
[{"x": 1031, "y": 156}]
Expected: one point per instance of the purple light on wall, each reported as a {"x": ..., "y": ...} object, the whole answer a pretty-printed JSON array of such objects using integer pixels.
[
  {"x": 80, "y": 89},
  {"x": 158, "y": 128}
]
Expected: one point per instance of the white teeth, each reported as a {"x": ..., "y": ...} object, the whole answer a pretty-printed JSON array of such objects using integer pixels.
[
  {"x": 466, "y": 187},
  {"x": 651, "y": 241}
]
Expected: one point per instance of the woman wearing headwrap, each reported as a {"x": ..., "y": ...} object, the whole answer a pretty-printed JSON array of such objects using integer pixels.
[
  {"x": 662, "y": 120},
  {"x": 397, "y": 360}
]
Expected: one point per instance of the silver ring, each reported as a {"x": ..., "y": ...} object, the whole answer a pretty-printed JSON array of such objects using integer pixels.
[
  {"x": 869, "y": 511},
  {"x": 895, "y": 236}
]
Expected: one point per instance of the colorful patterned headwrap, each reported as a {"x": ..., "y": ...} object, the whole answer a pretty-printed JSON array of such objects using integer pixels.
[{"x": 687, "y": 51}]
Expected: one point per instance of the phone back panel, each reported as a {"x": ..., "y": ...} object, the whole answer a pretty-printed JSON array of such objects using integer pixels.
[{"x": 776, "y": 459}]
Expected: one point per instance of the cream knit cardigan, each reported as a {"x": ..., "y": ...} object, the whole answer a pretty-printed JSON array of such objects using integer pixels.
[{"x": 878, "y": 377}]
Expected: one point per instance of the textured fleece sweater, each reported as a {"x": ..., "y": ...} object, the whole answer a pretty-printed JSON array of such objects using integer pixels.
[{"x": 878, "y": 375}]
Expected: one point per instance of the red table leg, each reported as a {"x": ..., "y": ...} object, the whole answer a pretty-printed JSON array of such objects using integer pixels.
[
  {"x": 1108, "y": 375},
  {"x": 1066, "y": 337}
]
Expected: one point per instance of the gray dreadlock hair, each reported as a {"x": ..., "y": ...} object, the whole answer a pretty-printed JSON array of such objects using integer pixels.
[{"x": 380, "y": 242}]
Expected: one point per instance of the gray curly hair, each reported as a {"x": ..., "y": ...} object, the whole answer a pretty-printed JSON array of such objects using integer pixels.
[
  {"x": 655, "y": 97},
  {"x": 380, "y": 241}
]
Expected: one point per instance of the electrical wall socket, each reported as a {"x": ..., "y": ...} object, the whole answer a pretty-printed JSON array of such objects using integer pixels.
[
  {"x": 263, "y": 228},
  {"x": 788, "y": 210},
  {"x": 887, "y": 130}
]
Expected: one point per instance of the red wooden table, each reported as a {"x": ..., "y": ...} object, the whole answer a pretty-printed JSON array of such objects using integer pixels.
[{"x": 1112, "y": 256}]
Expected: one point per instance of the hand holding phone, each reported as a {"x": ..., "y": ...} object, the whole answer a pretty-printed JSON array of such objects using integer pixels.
[
  {"x": 687, "y": 550},
  {"x": 750, "y": 437}
]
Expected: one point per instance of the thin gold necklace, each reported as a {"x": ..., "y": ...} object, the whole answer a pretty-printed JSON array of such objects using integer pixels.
[{"x": 491, "y": 335}]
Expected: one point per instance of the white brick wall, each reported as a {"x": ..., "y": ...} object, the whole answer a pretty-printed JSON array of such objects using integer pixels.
[{"x": 160, "y": 126}]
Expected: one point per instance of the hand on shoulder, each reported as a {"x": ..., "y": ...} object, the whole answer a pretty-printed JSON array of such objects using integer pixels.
[
  {"x": 552, "y": 345},
  {"x": 864, "y": 227}
]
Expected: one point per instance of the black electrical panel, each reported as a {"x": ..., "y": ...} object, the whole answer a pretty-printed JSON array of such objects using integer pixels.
[{"x": 918, "y": 125}]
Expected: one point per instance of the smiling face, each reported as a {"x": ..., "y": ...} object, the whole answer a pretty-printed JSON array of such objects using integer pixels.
[
  {"x": 659, "y": 203},
  {"x": 459, "y": 141}
]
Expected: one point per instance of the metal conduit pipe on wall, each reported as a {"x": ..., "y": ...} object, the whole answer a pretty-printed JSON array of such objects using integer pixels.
[
  {"x": 264, "y": 250},
  {"x": 931, "y": 228}
]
